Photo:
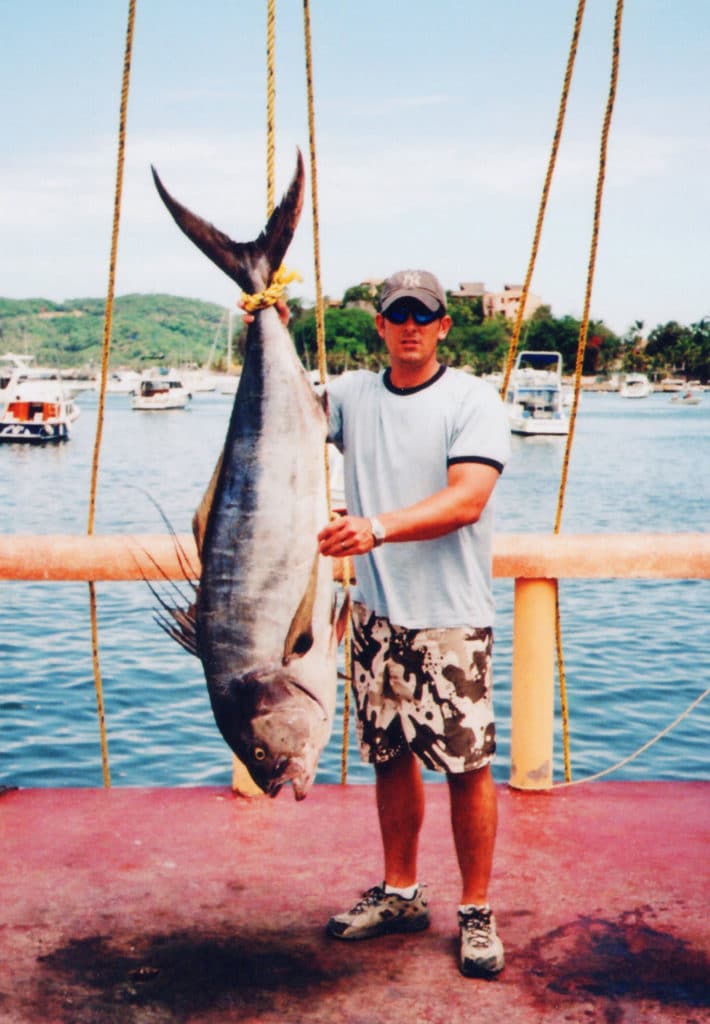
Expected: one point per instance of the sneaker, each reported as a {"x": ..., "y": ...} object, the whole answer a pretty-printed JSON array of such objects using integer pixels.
[
  {"x": 481, "y": 951},
  {"x": 378, "y": 913}
]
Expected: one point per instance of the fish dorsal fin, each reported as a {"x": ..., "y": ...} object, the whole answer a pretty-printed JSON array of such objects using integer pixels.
[
  {"x": 299, "y": 638},
  {"x": 250, "y": 264},
  {"x": 199, "y": 520}
]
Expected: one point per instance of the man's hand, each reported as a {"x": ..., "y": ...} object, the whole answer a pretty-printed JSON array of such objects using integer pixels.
[{"x": 345, "y": 536}]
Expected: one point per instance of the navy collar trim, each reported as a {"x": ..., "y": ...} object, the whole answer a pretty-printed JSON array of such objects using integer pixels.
[{"x": 387, "y": 378}]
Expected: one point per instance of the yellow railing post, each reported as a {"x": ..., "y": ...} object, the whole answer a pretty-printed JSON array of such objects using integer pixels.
[{"x": 533, "y": 691}]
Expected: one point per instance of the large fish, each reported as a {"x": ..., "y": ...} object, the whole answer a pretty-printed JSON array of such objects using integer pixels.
[{"x": 264, "y": 620}]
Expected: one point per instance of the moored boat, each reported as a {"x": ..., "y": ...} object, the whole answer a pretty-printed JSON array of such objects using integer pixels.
[
  {"x": 687, "y": 397},
  {"x": 635, "y": 385},
  {"x": 534, "y": 399},
  {"x": 37, "y": 409},
  {"x": 159, "y": 391}
]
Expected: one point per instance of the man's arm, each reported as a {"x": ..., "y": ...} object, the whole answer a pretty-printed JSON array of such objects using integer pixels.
[{"x": 460, "y": 503}]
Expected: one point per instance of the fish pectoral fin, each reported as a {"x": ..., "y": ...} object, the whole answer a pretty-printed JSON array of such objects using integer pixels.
[
  {"x": 199, "y": 520},
  {"x": 179, "y": 623},
  {"x": 299, "y": 638}
]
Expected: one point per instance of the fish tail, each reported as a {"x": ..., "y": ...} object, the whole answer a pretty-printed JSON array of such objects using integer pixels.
[{"x": 250, "y": 264}]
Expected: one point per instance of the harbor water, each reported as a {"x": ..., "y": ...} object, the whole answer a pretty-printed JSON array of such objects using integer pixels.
[{"x": 636, "y": 652}]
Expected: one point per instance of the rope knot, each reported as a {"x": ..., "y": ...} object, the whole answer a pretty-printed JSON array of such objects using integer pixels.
[{"x": 272, "y": 293}]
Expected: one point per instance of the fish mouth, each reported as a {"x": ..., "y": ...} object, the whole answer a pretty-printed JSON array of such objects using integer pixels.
[{"x": 299, "y": 771}]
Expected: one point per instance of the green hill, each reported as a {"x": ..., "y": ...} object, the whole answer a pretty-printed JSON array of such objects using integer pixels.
[{"x": 146, "y": 328}]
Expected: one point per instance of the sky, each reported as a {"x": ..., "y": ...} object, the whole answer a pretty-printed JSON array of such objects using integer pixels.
[{"x": 433, "y": 128}]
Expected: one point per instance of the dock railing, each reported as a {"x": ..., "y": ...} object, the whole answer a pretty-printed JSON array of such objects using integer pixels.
[{"x": 534, "y": 561}]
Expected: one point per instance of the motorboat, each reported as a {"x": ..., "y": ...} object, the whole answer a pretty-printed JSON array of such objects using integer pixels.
[
  {"x": 687, "y": 397},
  {"x": 37, "y": 409},
  {"x": 635, "y": 385},
  {"x": 159, "y": 390},
  {"x": 534, "y": 399}
]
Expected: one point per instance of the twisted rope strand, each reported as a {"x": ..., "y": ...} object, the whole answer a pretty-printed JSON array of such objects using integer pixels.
[
  {"x": 581, "y": 348},
  {"x": 545, "y": 195},
  {"x": 105, "y": 352}
]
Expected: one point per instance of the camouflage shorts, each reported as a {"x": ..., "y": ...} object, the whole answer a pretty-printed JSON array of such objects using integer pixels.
[{"x": 424, "y": 690}]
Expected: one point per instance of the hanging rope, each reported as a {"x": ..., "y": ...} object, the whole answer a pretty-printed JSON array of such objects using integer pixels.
[
  {"x": 105, "y": 351},
  {"x": 320, "y": 319},
  {"x": 270, "y": 104},
  {"x": 601, "y": 175},
  {"x": 545, "y": 194},
  {"x": 581, "y": 348},
  {"x": 322, "y": 368},
  {"x": 513, "y": 348}
]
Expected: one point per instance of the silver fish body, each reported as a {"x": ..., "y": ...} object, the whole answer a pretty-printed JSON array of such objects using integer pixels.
[{"x": 264, "y": 619}]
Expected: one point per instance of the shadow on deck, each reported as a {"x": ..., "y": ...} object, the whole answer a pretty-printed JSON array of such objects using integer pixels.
[{"x": 148, "y": 906}]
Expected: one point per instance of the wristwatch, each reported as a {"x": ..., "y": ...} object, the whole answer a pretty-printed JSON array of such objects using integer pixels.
[{"x": 378, "y": 531}]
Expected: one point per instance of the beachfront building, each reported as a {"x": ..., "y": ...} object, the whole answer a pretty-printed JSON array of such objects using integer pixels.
[{"x": 506, "y": 302}]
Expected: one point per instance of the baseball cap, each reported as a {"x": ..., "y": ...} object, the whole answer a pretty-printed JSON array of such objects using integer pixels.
[{"x": 413, "y": 284}]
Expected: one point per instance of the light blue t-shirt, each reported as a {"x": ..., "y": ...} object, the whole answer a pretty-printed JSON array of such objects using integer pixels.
[{"x": 397, "y": 446}]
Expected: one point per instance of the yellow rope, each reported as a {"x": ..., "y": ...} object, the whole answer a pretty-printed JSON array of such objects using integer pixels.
[
  {"x": 270, "y": 104},
  {"x": 105, "y": 351},
  {"x": 320, "y": 320},
  {"x": 513, "y": 348},
  {"x": 270, "y": 295},
  {"x": 322, "y": 368},
  {"x": 545, "y": 194},
  {"x": 582, "y": 344}
]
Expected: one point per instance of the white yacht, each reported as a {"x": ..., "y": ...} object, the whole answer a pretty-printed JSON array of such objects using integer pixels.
[
  {"x": 160, "y": 390},
  {"x": 534, "y": 399},
  {"x": 635, "y": 385},
  {"x": 36, "y": 408}
]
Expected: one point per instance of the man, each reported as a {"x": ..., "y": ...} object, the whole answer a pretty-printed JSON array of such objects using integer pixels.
[{"x": 423, "y": 447}]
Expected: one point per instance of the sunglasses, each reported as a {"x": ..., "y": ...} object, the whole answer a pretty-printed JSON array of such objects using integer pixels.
[{"x": 400, "y": 312}]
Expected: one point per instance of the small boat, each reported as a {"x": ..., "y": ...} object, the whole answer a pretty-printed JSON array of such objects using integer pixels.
[
  {"x": 635, "y": 385},
  {"x": 37, "y": 409},
  {"x": 160, "y": 390},
  {"x": 687, "y": 397},
  {"x": 534, "y": 400}
]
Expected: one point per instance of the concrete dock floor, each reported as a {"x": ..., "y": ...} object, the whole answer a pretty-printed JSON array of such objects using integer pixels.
[{"x": 141, "y": 906}]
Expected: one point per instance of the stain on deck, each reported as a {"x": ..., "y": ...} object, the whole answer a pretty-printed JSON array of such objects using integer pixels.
[{"x": 192, "y": 905}]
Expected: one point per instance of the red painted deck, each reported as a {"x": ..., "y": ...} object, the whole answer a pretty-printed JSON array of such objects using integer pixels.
[{"x": 192, "y": 905}]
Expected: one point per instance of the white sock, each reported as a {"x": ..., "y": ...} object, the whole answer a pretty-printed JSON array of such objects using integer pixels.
[
  {"x": 466, "y": 908},
  {"x": 406, "y": 894}
]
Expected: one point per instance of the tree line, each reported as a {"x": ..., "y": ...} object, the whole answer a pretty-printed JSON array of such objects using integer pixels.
[{"x": 171, "y": 330}]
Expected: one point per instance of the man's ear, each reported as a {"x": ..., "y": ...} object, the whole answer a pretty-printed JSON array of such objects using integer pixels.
[
  {"x": 380, "y": 325},
  {"x": 444, "y": 326}
]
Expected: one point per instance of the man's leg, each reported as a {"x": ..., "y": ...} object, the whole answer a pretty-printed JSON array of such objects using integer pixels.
[
  {"x": 474, "y": 816},
  {"x": 400, "y": 806},
  {"x": 474, "y": 819}
]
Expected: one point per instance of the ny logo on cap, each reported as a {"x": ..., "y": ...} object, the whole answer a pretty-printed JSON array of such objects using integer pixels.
[{"x": 411, "y": 279}]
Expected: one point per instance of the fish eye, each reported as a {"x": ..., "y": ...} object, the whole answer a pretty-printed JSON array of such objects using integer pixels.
[{"x": 259, "y": 753}]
